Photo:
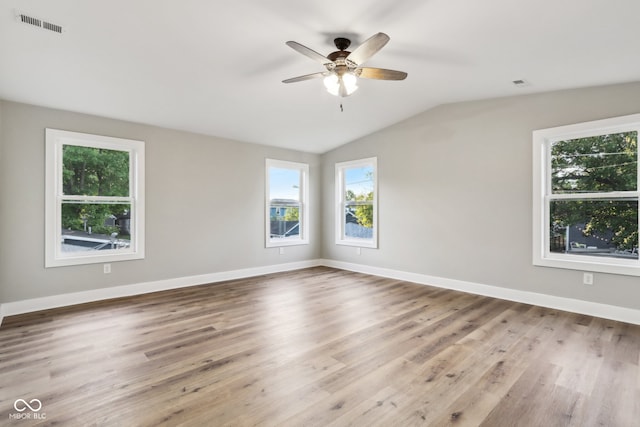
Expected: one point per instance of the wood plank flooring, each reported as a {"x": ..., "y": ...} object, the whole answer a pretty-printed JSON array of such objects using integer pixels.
[{"x": 318, "y": 347}]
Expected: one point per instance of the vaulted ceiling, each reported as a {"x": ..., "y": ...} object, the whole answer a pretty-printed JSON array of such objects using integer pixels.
[{"x": 216, "y": 68}]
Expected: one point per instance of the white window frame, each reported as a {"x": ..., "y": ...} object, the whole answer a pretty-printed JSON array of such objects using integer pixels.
[
  {"x": 54, "y": 197},
  {"x": 341, "y": 203},
  {"x": 542, "y": 196},
  {"x": 303, "y": 186}
]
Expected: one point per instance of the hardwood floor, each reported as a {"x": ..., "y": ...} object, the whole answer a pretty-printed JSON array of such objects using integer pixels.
[{"x": 318, "y": 347}]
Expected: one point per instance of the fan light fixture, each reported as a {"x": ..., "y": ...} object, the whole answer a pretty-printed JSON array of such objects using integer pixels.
[
  {"x": 333, "y": 81},
  {"x": 344, "y": 68}
]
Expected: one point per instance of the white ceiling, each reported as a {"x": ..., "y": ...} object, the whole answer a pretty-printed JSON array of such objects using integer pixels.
[{"x": 216, "y": 67}]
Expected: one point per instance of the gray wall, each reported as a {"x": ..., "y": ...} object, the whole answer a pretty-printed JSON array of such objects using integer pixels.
[
  {"x": 455, "y": 192},
  {"x": 454, "y": 187},
  {"x": 1, "y": 140},
  {"x": 204, "y": 205}
]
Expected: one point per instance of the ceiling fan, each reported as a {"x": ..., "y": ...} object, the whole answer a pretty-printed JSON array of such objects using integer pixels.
[{"x": 344, "y": 67}]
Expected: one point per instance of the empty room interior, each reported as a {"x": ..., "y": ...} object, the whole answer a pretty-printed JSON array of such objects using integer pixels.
[{"x": 388, "y": 213}]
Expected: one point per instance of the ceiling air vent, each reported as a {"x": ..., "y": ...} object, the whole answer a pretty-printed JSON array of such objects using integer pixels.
[
  {"x": 52, "y": 27},
  {"x": 520, "y": 83},
  {"x": 37, "y": 22}
]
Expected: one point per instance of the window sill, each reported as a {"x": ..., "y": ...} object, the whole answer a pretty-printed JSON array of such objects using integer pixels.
[
  {"x": 92, "y": 259},
  {"x": 594, "y": 264},
  {"x": 277, "y": 244},
  {"x": 358, "y": 243}
]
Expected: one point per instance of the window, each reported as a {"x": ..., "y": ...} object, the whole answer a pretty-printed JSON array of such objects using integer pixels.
[
  {"x": 287, "y": 206},
  {"x": 586, "y": 196},
  {"x": 94, "y": 207},
  {"x": 356, "y": 203}
]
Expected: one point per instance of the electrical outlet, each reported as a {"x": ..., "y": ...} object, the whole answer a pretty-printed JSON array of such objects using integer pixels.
[
  {"x": 358, "y": 251},
  {"x": 281, "y": 250},
  {"x": 106, "y": 268},
  {"x": 587, "y": 279}
]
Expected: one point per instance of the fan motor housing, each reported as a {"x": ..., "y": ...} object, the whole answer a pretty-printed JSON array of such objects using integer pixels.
[{"x": 338, "y": 54}]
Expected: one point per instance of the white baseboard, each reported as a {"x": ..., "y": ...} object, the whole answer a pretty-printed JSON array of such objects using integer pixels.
[
  {"x": 567, "y": 304},
  {"x": 605, "y": 311},
  {"x": 55, "y": 301}
]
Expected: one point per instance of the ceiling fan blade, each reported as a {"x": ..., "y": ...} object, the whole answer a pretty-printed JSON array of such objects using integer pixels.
[
  {"x": 380, "y": 74},
  {"x": 309, "y": 53},
  {"x": 367, "y": 49},
  {"x": 305, "y": 77}
]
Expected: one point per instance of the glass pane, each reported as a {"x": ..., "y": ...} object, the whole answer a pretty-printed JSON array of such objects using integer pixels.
[
  {"x": 284, "y": 221},
  {"x": 359, "y": 183},
  {"x": 284, "y": 185},
  {"x": 284, "y": 206},
  {"x": 94, "y": 226},
  {"x": 358, "y": 221},
  {"x": 595, "y": 164},
  {"x": 88, "y": 171},
  {"x": 606, "y": 228}
]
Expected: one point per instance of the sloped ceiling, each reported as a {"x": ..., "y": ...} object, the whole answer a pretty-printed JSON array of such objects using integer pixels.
[{"x": 216, "y": 68}]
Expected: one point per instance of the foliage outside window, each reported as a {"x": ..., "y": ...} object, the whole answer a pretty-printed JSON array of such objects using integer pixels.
[
  {"x": 356, "y": 202},
  {"x": 586, "y": 196},
  {"x": 94, "y": 199},
  {"x": 286, "y": 210}
]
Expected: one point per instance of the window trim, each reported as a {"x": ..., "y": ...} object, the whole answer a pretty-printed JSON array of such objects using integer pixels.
[
  {"x": 55, "y": 139},
  {"x": 304, "y": 203},
  {"x": 340, "y": 203},
  {"x": 542, "y": 196}
]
